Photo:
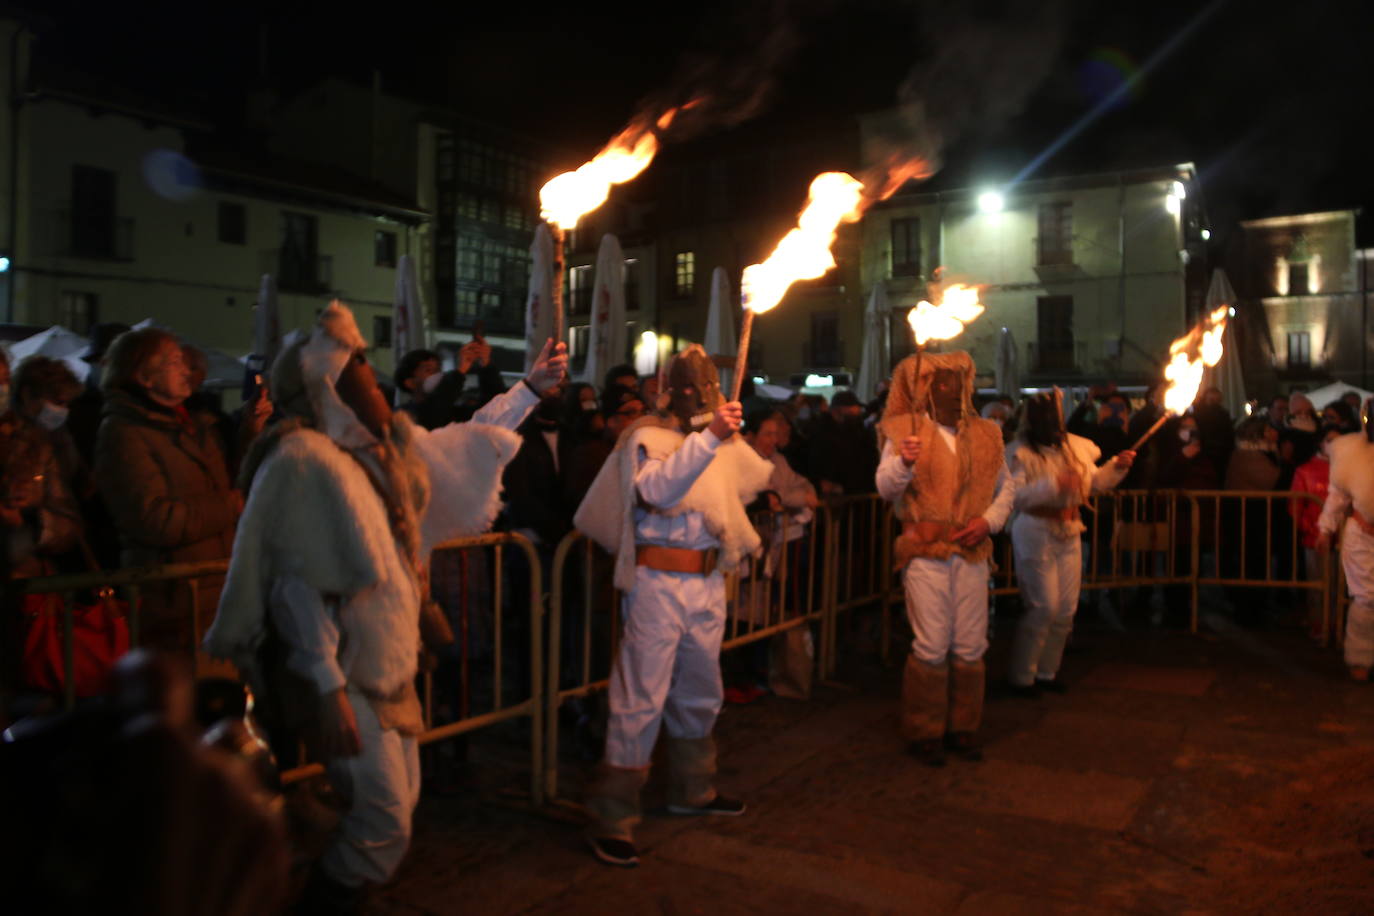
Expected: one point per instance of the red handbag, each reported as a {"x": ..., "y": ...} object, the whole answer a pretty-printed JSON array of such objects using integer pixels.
[{"x": 100, "y": 635}]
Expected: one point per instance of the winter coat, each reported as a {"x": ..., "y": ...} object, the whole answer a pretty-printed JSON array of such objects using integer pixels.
[{"x": 1312, "y": 477}]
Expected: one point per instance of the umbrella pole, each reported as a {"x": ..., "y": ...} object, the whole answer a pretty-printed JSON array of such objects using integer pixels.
[
  {"x": 557, "y": 234},
  {"x": 742, "y": 356}
]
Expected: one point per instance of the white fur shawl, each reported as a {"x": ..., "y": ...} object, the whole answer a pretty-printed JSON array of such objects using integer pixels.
[
  {"x": 733, "y": 479},
  {"x": 1036, "y": 476},
  {"x": 313, "y": 513},
  {"x": 1352, "y": 469}
]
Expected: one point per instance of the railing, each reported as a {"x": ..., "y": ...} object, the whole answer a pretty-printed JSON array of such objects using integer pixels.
[
  {"x": 818, "y": 573},
  {"x": 304, "y": 274}
]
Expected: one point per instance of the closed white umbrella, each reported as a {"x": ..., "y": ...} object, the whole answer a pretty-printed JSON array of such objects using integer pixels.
[
  {"x": 266, "y": 326},
  {"x": 606, "y": 340},
  {"x": 408, "y": 315},
  {"x": 874, "y": 362},
  {"x": 1226, "y": 374},
  {"x": 1008, "y": 366},
  {"x": 55, "y": 343},
  {"x": 539, "y": 300},
  {"x": 720, "y": 342}
]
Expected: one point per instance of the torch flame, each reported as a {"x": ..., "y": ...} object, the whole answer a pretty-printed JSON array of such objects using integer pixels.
[
  {"x": 1188, "y": 356},
  {"x": 567, "y": 198},
  {"x": 804, "y": 253},
  {"x": 958, "y": 306}
]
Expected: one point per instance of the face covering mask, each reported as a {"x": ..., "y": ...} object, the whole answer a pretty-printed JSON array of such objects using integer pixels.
[
  {"x": 431, "y": 382},
  {"x": 588, "y": 406},
  {"x": 4, "y": 399},
  {"x": 804, "y": 413},
  {"x": 1186, "y": 435},
  {"x": 51, "y": 416}
]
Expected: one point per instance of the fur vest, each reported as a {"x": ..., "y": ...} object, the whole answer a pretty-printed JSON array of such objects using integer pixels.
[
  {"x": 733, "y": 479},
  {"x": 1352, "y": 469},
  {"x": 313, "y": 512}
]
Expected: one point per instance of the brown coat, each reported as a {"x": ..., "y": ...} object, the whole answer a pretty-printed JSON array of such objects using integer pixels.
[{"x": 167, "y": 487}]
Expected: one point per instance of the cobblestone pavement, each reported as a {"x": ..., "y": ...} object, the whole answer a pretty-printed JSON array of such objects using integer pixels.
[{"x": 1225, "y": 772}]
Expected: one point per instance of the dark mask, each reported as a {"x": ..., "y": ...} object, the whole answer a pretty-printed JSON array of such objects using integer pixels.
[
  {"x": 549, "y": 411},
  {"x": 1040, "y": 422},
  {"x": 947, "y": 396},
  {"x": 693, "y": 388}
]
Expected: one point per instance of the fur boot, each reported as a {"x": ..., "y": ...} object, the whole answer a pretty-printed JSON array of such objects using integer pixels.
[
  {"x": 925, "y": 691},
  {"x": 966, "y": 696},
  {"x": 614, "y": 801},
  {"x": 691, "y": 771}
]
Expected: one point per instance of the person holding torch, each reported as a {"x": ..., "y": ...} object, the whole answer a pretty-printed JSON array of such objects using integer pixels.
[
  {"x": 943, "y": 468},
  {"x": 1055, "y": 473}
]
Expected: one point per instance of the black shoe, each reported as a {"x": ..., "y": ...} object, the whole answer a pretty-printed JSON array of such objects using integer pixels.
[
  {"x": 613, "y": 851},
  {"x": 964, "y": 746},
  {"x": 1026, "y": 692},
  {"x": 930, "y": 751},
  {"x": 1054, "y": 685},
  {"x": 720, "y": 806}
]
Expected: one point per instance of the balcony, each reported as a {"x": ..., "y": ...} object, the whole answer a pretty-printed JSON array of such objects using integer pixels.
[
  {"x": 296, "y": 274},
  {"x": 1053, "y": 253},
  {"x": 92, "y": 236}
]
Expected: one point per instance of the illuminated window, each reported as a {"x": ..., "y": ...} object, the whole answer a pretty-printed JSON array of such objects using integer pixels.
[
  {"x": 1055, "y": 243},
  {"x": 1299, "y": 350},
  {"x": 684, "y": 273},
  {"x": 906, "y": 247}
]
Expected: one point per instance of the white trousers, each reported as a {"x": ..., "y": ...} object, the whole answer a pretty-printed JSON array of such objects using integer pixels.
[
  {"x": 1357, "y": 558},
  {"x": 1049, "y": 570},
  {"x": 947, "y": 607},
  {"x": 668, "y": 668},
  {"x": 383, "y": 785}
]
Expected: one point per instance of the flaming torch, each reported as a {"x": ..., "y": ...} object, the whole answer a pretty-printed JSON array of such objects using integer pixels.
[
  {"x": 803, "y": 254},
  {"x": 568, "y": 197},
  {"x": 1188, "y": 356},
  {"x": 957, "y": 307}
]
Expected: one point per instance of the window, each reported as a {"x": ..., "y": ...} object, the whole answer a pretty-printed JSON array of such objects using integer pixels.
[
  {"x": 631, "y": 284},
  {"x": 1054, "y": 320},
  {"x": 1056, "y": 235},
  {"x": 384, "y": 248},
  {"x": 381, "y": 330},
  {"x": 78, "y": 311},
  {"x": 233, "y": 223},
  {"x": 906, "y": 247},
  {"x": 93, "y": 212},
  {"x": 1298, "y": 284},
  {"x": 300, "y": 259},
  {"x": 1299, "y": 350},
  {"x": 825, "y": 339},
  {"x": 580, "y": 282},
  {"x": 684, "y": 273}
]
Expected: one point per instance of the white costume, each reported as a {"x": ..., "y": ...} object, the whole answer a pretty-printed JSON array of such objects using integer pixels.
[
  {"x": 1350, "y": 508},
  {"x": 661, "y": 489},
  {"x": 1047, "y": 548},
  {"x": 334, "y": 568}
]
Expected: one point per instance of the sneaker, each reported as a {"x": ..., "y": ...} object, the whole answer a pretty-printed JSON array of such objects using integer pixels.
[
  {"x": 613, "y": 851},
  {"x": 1359, "y": 673},
  {"x": 964, "y": 746},
  {"x": 719, "y": 806},
  {"x": 930, "y": 751},
  {"x": 1053, "y": 685}
]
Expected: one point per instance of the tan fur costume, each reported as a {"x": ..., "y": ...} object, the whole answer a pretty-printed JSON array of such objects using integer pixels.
[{"x": 946, "y": 487}]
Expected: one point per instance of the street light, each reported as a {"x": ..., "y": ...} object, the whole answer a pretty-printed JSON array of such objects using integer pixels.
[{"x": 990, "y": 202}]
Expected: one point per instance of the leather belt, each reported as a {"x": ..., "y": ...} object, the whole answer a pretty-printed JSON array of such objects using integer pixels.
[
  {"x": 1053, "y": 513},
  {"x": 677, "y": 559},
  {"x": 1363, "y": 522}
]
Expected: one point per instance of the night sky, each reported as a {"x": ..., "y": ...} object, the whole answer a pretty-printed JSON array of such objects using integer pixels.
[{"x": 1270, "y": 100}]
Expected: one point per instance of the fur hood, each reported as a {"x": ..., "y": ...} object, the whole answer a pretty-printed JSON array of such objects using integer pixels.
[
  {"x": 1352, "y": 469},
  {"x": 911, "y": 395},
  {"x": 733, "y": 479}
]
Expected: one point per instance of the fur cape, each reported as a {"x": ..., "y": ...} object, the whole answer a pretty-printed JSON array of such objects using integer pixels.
[
  {"x": 945, "y": 488},
  {"x": 312, "y": 512},
  {"x": 733, "y": 479},
  {"x": 1352, "y": 469},
  {"x": 1040, "y": 468}
]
